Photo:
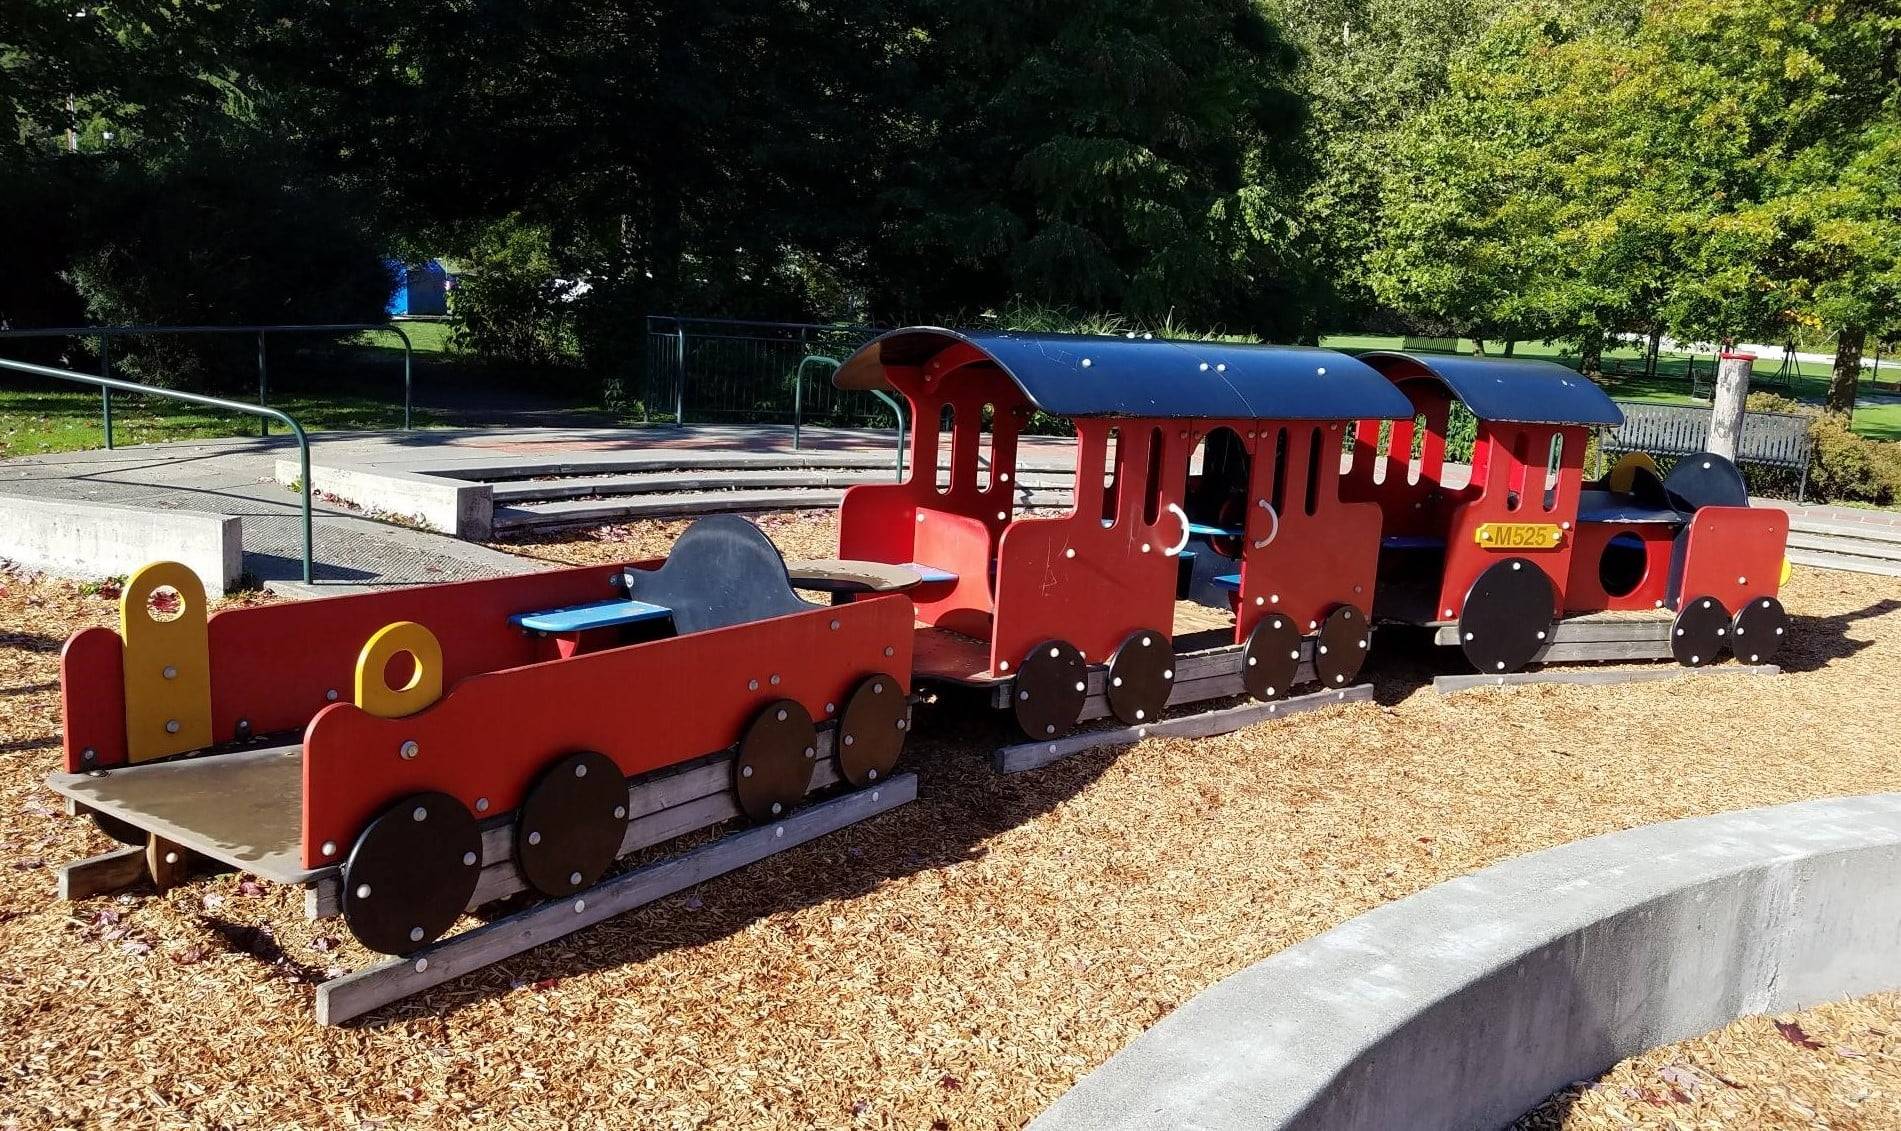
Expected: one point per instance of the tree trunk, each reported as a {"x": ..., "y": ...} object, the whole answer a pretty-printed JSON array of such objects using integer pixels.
[
  {"x": 1591, "y": 353},
  {"x": 1844, "y": 382},
  {"x": 1726, "y": 411},
  {"x": 1478, "y": 345},
  {"x": 1509, "y": 343},
  {"x": 1650, "y": 355}
]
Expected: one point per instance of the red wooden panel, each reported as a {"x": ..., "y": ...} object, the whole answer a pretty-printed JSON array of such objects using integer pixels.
[
  {"x": 644, "y": 706},
  {"x": 276, "y": 665},
  {"x": 1735, "y": 553},
  {"x": 1073, "y": 578},
  {"x": 1511, "y": 458},
  {"x": 1584, "y": 590},
  {"x": 92, "y": 699},
  {"x": 1316, "y": 562}
]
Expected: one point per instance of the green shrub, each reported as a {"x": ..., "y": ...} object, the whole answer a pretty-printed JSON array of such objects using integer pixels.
[
  {"x": 508, "y": 304},
  {"x": 1851, "y": 468}
]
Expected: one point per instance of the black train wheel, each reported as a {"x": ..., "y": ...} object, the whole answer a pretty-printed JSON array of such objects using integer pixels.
[
  {"x": 871, "y": 730},
  {"x": 411, "y": 873},
  {"x": 571, "y": 824},
  {"x": 1272, "y": 657},
  {"x": 774, "y": 766},
  {"x": 1758, "y": 630},
  {"x": 1507, "y": 616},
  {"x": 1700, "y": 632},
  {"x": 1052, "y": 683},
  {"x": 1140, "y": 676},
  {"x": 1340, "y": 649}
]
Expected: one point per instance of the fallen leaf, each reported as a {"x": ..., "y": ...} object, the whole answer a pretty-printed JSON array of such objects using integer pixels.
[{"x": 1793, "y": 1033}]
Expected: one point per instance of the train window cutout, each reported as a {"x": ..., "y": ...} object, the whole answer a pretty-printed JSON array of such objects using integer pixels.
[{"x": 1239, "y": 521}]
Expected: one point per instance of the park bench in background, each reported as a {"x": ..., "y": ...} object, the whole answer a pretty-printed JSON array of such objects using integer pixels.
[{"x": 1769, "y": 439}]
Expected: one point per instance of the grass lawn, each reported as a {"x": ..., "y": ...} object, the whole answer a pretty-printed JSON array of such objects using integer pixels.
[
  {"x": 1878, "y": 416},
  {"x": 355, "y": 386}
]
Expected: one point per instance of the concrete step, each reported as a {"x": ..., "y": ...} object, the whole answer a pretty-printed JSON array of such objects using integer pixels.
[
  {"x": 1841, "y": 528},
  {"x": 1851, "y": 563},
  {"x": 502, "y": 470},
  {"x": 663, "y": 482},
  {"x": 553, "y": 514},
  {"x": 1841, "y": 544}
]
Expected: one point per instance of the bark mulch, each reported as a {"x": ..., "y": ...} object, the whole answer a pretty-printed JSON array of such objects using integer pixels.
[{"x": 955, "y": 964}]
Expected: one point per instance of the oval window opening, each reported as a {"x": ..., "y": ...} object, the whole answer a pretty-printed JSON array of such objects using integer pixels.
[{"x": 1621, "y": 568}]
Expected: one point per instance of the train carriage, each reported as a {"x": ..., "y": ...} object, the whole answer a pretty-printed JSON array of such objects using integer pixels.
[
  {"x": 1518, "y": 559},
  {"x": 1077, "y": 615}
]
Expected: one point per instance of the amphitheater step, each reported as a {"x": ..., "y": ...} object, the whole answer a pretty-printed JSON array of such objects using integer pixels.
[
  {"x": 676, "y": 481},
  {"x": 558, "y": 513},
  {"x": 1857, "y": 546},
  {"x": 1834, "y": 528},
  {"x": 1822, "y": 559}
]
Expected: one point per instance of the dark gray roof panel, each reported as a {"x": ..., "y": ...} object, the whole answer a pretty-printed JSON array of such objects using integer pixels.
[
  {"x": 1079, "y": 375},
  {"x": 1510, "y": 389}
]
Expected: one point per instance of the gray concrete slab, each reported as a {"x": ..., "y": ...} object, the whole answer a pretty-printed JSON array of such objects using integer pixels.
[{"x": 1465, "y": 1005}]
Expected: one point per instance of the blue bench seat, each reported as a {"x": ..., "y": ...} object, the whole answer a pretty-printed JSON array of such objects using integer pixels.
[
  {"x": 598, "y": 614},
  {"x": 1230, "y": 581},
  {"x": 1412, "y": 542},
  {"x": 928, "y": 574},
  {"x": 1208, "y": 530}
]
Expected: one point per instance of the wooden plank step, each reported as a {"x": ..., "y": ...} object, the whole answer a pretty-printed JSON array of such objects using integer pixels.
[
  {"x": 673, "y": 482},
  {"x": 1848, "y": 563},
  {"x": 1205, "y": 724},
  {"x": 1589, "y": 629},
  {"x": 584, "y": 512},
  {"x": 1447, "y": 684},
  {"x": 355, "y": 994},
  {"x": 103, "y": 874}
]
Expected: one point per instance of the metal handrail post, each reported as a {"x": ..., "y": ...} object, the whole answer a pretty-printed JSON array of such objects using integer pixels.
[
  {"x": 296, "y": 429},
  {"x": 679, "y": 373},
  {"x": 898, "y": 411},
  {"x": 408, "y": 374},
  {"x": 798, "y": 390},
  {"x": 263, "y": 387},
  {"x": 105, "y": 395}
]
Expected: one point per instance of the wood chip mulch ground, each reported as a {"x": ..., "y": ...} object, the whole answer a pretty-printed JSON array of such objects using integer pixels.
[{"x": 955, "y": 964}]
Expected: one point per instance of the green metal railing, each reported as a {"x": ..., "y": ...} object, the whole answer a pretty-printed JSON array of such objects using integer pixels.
[
  {"x": 108, "y": 384},
  {"x": 798, "y": 402},
  {"x": 105, "y": 334},
  {"x": 729, "y": 369}
]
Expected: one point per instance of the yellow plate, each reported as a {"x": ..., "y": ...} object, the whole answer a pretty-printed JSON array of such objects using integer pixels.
[{"x": 1518, "y": 535}]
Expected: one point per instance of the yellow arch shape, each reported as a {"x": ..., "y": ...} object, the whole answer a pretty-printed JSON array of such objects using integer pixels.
[
  {"x": 1624, "y": 471},
  {"x": 167, "y": 664},
  {"x": 375, "y": 695}
]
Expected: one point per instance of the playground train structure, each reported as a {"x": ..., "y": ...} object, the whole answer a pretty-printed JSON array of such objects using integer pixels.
[{"x": 1242, "y": 518}]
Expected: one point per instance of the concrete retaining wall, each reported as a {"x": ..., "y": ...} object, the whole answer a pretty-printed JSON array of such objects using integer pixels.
[
  {"x": 1467, "y": 1004},
  {"x": 445, "y": 505},
  {"x": 100, "y": 540}
]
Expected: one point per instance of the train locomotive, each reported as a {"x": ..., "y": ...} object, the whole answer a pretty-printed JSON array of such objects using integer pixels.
[{"x": 1242, "y": 518}]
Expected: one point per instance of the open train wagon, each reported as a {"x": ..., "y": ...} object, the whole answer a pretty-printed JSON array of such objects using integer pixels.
[{"x": 416, "y": 753}]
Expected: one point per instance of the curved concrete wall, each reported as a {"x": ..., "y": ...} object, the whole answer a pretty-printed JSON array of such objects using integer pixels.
[{"x": 1468, "y": 1003}]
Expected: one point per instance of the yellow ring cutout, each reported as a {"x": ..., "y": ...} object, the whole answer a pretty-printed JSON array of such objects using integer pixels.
[{"x": 424, "y": 687}]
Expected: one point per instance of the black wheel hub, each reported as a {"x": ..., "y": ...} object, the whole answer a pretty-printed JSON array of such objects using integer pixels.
[
  {"x": 1507, "y": 616},
  {"x": 1141, "y": 674},
  {"x": 411, "y": 873},
  {"x": 1758, "y": 630},
  {"x": 572, "y": 823},
  {"x": 774, "y": 767},
  {"x": 871, "y": 731},
  {"x": 1052, "y": 683}
]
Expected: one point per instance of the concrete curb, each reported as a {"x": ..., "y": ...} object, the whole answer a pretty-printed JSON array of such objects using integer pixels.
[
  {"x": 1465, "y": 1005},
  {"x": 87, "y": 539},
  {"x": 442, "y": 504}
]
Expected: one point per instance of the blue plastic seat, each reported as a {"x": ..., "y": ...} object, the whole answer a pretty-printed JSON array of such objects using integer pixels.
[
  {"x": 1208, "y": 530},
  {"x": 1229, "y": 581},
  {"x": 598, "y": 614}
]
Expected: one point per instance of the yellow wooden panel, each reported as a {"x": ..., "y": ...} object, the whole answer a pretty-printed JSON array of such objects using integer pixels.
[
  {"x": 1518, "y": 535},
  {"x": 373, "y": 692},
  {"x": 167, "y": 664},
  {"x": 1624, "y": 471}
]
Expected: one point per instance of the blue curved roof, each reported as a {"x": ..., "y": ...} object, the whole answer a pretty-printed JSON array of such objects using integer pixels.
[
  {"x": 1509, "y": 389},
  {"x": 1080, "y": 375}
]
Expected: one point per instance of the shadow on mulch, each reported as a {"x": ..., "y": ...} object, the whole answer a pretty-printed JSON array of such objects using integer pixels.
[{"x": 961, "y": 803}]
